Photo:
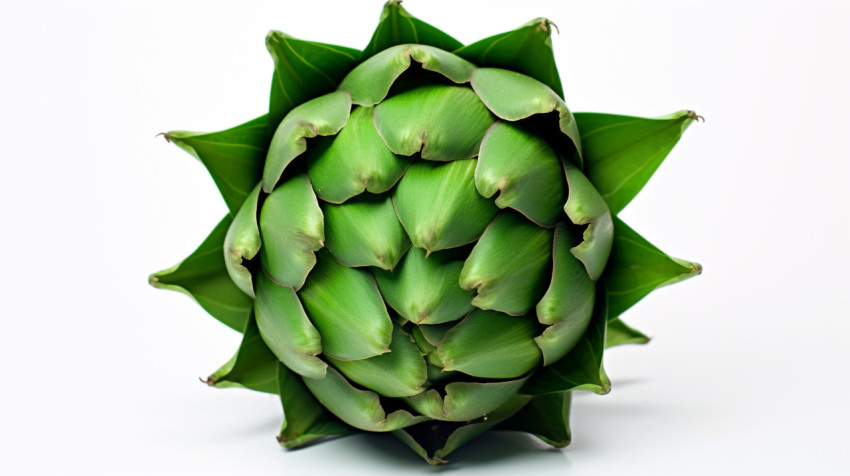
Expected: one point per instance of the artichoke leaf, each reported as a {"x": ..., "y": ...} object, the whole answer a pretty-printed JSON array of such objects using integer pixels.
[
  {"x": 636, "y": 268},
  {"x": 253, "y": 366},
  {"x": 546, "y": 417},
  {"x": 465, "y": 401},
  {"x": 622, "y": 152},
  {"x": 508, "y": 265},
  {"x": 586, "y": 207},
  {"x": 346, "y": 307},
  {"x": 242, "y": 243},
  {"x": 490, "y": 344},
  {"x": 292, "y": 228},
  {"x": 204, "y": 277},
  {"x": 525, "y": 172},
  {"x": 353, "y": 161},
  {"x": 440, "y": 122},
  {"x": 618, "y": 333},
  {"x": 359, "y": 408},
  {"x": 233, "y": 157},
  {"x": 397, "y": 27},
  {"x": 527, "y": 50},
  {"x": 303, "y": 70},
  {"x": 322, "y": 116},
  {"x": 305, "y": 421},
  {"x": 286, "y": 329}
]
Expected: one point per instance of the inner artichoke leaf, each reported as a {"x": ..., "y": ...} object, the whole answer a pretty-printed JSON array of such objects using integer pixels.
[
  {"x": 322, "y": 116},
  {"x": 304, "y": 419},
  {"x": 440, "y": 122},
  {"x": 359, "y": 408},
  {"x": 424, "y": 289},
  {"x": 513, "y": 96},
  {"x": 434, "y": 441},
  {"x": 622, "y": 152},
  {"x": 637, "y": 268},
  {"x": 465, "y": 401},
  {"x": 586, "y": 207},
  {"x": 525, "y": 172},
  {"x": 527, "y": 50},
  {"x": 438, "y": 205},
  {"x": 365, "y": 231},
  {"x": 303, "y": 70},
  {"x": 397, "y": 27},
  {"x": 354, "y": 160},
  {"x": 509, "y": 265},
  {"x": 286, "y": 329},
  {"x": 292, "y": 228},
  {"x": 233, "y": 157},
  {"x": 490, "y": 344},
  {"x": 546, "y": 417},
  {"x": 254, "y": 366},
  {"x": 370, "y": 81},
  {"x": 618, "y": 333},
  {"x": 581, "y": 368},
  {"x": 242, "y": 243},
  {"x": 203, "y": 276},
  {"x": 346, "y": 306},
  {"x": 401, "y": 372}
]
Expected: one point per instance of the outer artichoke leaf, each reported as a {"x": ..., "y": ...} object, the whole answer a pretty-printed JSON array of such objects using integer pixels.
[
  {"x": 305, "y": 421},
  {"x": 509, "y": 265},
  {"x": 433, "y": 441},
  {"x": 618, "y": 333},
  {"x": 546, "y": 417},
  {"x": 234, "y": 157},
  {"x": 622, "y": 152},
  {"x": 440, "y": 122},
  {"x": 490, "y": 344},
  {"x": 398, "y": 373},
  {"x": 582, "y": 368},
  {"x": 370, "y": 82},
  {"x": 438, "y": 205},
  {"x": 303, "y": 70},
  {"x": 359, "y": 408},
  {"x": 465, "y": 401},
  {"x": 567, "y": 305},
  {"x": 354, "y": 160},
  {"x": 346, "y": 306},
  {"x": 527, "y": 50},
  {"x": 525, "y": 172},
  {"x": 322, "y": 116},
  {"x": 586, "y": 207},
  {"x": 637, "y": 268},
  {"x": 286, "y": 329},
  {"x": 365, "y": 231},
  {"x": 242, "y": 243},
  {"x": 513, "y": 96},
  {"x": 254, "y": 366},
  {"x": 292, "y": 228},
  {"x": 203, "y": 276},
  {"x": 425, "y": 290},
  {"x": 397, "y": 27}
]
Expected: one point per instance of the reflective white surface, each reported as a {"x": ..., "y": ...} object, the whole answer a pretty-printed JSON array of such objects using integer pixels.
[{"x": 747, "y": 371}]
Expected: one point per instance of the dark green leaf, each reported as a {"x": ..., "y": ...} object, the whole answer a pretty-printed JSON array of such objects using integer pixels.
[
  {"x": 397, "y": 27},
  {"x": 546, "y": 417},
  {"x": 254, "y": 366},
  {"x": 619, "y": 333},
  {"x": 203, "y": 276},
  {"x": 234, "y": 157}
]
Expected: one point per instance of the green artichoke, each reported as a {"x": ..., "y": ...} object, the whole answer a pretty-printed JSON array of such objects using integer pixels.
[{"x": 422, "y": 238}]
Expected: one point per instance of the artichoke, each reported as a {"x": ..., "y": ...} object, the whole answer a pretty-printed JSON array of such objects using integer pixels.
[{"x": 422, "y": 238}]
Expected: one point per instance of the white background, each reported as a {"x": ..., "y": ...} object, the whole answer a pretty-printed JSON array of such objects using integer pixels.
[{"x": 747, "y": 372}]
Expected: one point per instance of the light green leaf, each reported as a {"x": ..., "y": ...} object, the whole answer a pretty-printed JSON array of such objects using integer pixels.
[
  {"x": 397, "y": 27},
  {"x": 586, "y": 207},
  {"x": 322, "y": 116},
  {"x": 203, "y": 276},
  {"x": 465, "y": 401},
  {"x": 242, "y": 243},
  {"x": 622, "y": 152},
  {"x": 365, "y": 231},
  {"x": 546, "y": 417},
  {"x": 254, "y": 366},
  {"x": 618, "y": 333},
  {"x": 637, "y": 268},
  {"x": 234, "y": 157}
]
